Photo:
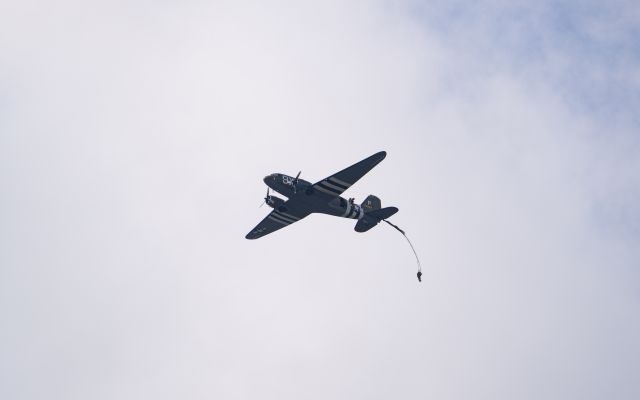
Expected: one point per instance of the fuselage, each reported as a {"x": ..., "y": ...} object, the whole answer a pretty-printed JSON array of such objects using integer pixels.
[{"x": 315, "y": 201}]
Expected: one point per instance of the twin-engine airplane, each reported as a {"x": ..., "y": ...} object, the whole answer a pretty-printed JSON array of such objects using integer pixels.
[{"x": 322, "y": 197}]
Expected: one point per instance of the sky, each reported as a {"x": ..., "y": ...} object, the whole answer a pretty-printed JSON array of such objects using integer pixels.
[{"x": 134, "y": 136}]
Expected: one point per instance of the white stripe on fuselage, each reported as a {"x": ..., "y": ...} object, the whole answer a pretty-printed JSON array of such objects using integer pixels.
[{"x": 348, "y": 210}]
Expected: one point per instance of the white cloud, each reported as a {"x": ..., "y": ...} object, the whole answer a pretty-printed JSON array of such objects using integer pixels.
[{"x": 133, "y": 139}]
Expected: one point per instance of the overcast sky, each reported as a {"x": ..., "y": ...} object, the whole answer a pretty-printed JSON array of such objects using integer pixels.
[{"x": 134, "y": 136}]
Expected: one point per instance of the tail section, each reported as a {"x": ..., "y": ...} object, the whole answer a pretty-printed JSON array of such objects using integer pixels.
[
  {"x": 375, "y": 215},
  {"x": 371, "y": 203},
  {"x": 382, "y": 213}
]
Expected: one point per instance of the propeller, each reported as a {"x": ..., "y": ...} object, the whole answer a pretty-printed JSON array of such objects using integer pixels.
[
  {"x": 267, "y": 199},
  {"x": 295, "y": 182}
]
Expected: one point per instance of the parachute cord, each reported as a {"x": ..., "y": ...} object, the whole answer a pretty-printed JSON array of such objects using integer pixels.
[{"x": 406, "y": 237}]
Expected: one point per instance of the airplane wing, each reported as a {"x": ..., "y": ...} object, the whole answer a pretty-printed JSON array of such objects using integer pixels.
[
  {"x": 276, "y": 220},
  {"x": 337, "y": 183}
]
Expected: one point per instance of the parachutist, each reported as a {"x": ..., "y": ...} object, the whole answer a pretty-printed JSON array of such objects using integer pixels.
[{"x": 419, "y": 276}]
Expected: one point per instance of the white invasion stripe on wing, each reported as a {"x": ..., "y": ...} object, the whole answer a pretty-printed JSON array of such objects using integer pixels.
[
  {"x": 336, "y": 188},
  {"x": 330, "y": 187},
  {"x": 339, "y": 182},
  {"x": 282, "y": 217},
  {"x": 278, "y": 221},
  {"x": 329, "y": 192},
  {"x": 293, "y": 217}
]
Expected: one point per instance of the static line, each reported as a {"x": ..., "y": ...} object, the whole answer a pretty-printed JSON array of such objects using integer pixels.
[{"x": 409, "y": 241}]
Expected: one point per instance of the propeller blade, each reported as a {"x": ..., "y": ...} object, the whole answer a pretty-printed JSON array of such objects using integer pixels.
[
  {"x": 266, "y": 199},
  {"x": 295, "y": 182}
]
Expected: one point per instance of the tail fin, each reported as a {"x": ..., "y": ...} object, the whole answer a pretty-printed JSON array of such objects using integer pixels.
[
  {"x": 371, "y": 203},
  {"x": 373, "y": 218}
]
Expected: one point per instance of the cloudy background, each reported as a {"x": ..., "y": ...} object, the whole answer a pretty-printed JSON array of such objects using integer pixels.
[{"x": 134, "y": 136}]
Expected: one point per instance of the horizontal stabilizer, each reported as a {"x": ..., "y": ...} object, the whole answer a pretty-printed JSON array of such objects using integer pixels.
[
  {"x": 373, "y": 218},
  {"x": 383, "y": 213}
]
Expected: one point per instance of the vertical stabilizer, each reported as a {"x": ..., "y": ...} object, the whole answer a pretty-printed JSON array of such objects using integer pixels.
[{"x": 371, "y": 203}]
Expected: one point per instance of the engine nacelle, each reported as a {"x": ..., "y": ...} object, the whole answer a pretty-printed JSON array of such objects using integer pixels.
[{"x": 275, "y": 202}]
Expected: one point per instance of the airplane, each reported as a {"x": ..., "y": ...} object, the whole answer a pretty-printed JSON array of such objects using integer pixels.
[{"x": 322, "y": 197}]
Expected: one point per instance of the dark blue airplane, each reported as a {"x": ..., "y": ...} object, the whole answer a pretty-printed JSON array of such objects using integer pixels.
[{"x": 323, "y": 197}]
